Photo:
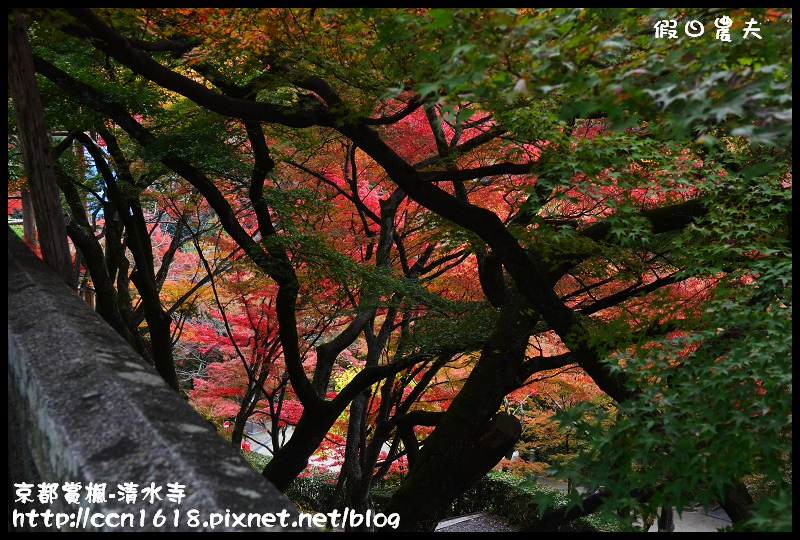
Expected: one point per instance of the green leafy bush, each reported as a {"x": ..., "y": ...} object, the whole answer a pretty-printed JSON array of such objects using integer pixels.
[
  {"x": 313, "y": 492},
  {"x": 516, "y": 499},
  {"x": 256, "y": 460}
]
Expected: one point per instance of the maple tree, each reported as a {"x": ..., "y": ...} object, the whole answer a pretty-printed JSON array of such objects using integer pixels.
[
  {"x": 450, "y": 203},
  {"x": 249, "y": 381}
]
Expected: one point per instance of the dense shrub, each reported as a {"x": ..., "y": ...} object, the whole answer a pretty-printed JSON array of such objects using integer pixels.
[
  {"x": 314, "y": 492},
  {"x": 256, "y": 460},
  {"x": 515, "y": 498}
]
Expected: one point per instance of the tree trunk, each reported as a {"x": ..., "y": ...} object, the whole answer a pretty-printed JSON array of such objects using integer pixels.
[
  {"x": 293, "y": 456},
  {"x": 249, "y": 401},
  {"x": 104, "y": 295},
  {"x": 666, "y": 520},
  {"x": 737, "y": 502},
  {"x": 355, "y": 470},
  {"x": 123, "y": 193},
  {"x": 431, "y": 488},
  {"x": 28, "y": 220},
  {"x": 471, "y": 437},
  {"x": 36, "y": 153}
]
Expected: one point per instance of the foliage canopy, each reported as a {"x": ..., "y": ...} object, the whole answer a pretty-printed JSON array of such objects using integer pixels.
[{"x": 526, "y": 189}]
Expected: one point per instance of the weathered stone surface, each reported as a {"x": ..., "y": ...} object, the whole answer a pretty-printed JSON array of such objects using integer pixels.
[{"x": 84, "y": 407}]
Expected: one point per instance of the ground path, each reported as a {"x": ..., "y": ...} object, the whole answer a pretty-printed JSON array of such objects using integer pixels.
[{"x": 690, "y": 520}]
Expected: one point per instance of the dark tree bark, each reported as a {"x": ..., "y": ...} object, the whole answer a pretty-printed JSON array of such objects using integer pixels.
[
  {"x": 553, "y": 518},
  {"x": 354, "y": 470},
  {"x": 28, "y": 219},
  {"x": 52, "y": 234},
  {"x": 490, "y": 273},
  {"x": 666, "y": 519},
  {"x": 138, "y": 242},
  {"x": 737, "y": 502},
  {"x": 360, "y": 457},
  {"x": 306, "y": 438},
  {"x": 470, "y": 437},
  {"x": 96, "y": 259}
]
